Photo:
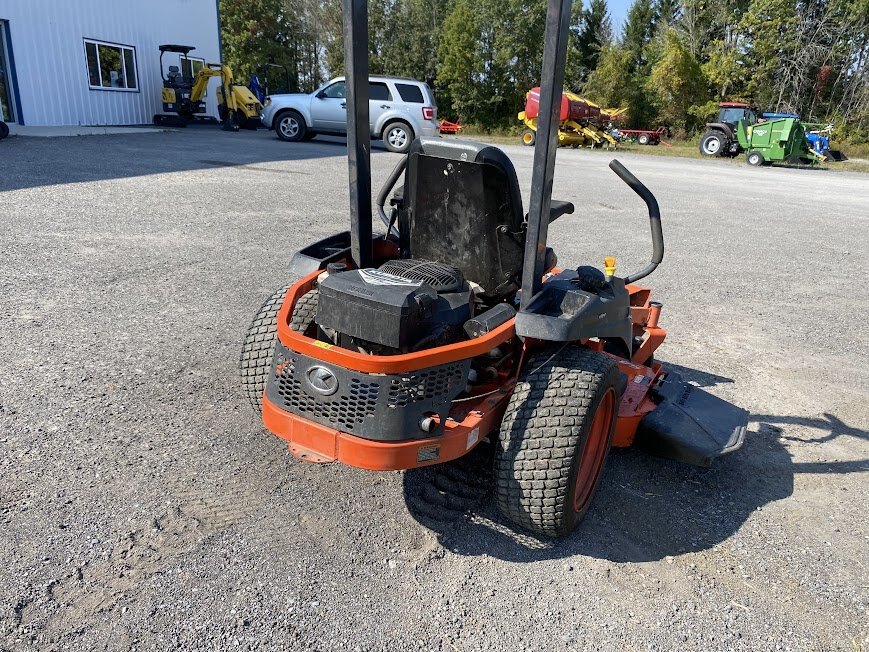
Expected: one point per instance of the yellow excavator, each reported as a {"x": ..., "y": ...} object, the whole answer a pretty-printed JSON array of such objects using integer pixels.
[{"x": 185, "y": 87}]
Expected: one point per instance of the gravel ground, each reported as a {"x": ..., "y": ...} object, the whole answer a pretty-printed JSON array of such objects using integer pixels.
[{"x": 143, "y": 507}]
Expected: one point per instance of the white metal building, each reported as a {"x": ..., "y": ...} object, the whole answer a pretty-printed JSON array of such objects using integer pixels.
[{"x": 95, "y": 62}]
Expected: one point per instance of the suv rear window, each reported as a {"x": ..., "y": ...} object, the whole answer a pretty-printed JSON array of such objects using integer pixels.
[
  {"x": 378, "y": 91},
  {"x": 410, "y": 93}
]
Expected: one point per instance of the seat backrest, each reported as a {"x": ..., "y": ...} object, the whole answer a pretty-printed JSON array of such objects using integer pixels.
[{"x": 462, "y": 206}]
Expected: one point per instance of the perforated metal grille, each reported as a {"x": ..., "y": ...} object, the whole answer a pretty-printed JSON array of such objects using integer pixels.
[
  {"x": 431, "y": 384},
  {"x": 441, "y": 277},
  {"x": 377, "y": 406}
]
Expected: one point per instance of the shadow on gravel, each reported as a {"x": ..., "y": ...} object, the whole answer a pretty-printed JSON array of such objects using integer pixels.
[
  {"x": 645, "y": 509},
  {"x": 35, "y": 162},
  {"x": 698, "y": 377},
  {"x": 832, "y": 425}
]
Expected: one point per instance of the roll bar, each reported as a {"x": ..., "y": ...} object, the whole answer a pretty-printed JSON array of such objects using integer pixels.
[
  {"x": 551, "y": 85},
  {"x": 358, "y": 130},
  {"x": 355, "y": 15}
]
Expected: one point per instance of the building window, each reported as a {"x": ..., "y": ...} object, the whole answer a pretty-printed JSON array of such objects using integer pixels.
[{"x": 111, "y": 66}]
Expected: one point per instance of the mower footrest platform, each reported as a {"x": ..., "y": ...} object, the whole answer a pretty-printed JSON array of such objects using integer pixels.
[{"x": 690, "y": 425}]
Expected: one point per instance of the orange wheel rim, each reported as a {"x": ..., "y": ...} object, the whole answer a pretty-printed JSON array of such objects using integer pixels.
[
  {"x": 526, "y": 138},
  {"x": 594, "y": 452}
]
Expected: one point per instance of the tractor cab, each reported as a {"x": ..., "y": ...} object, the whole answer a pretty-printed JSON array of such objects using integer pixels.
[{"x": 730, "y": 113}]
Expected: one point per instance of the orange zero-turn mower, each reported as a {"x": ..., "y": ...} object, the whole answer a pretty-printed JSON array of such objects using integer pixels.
[{"x": 455, "y": 325}]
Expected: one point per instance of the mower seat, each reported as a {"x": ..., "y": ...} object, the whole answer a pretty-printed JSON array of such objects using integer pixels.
[{"x": 462, "y": 206}]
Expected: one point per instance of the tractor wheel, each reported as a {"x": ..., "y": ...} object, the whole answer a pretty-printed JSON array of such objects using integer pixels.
[
  {"x": 713, "y": 143},
  {"x": 259, "y": 343},
  {"x": 754, "y": 158},
  {"x": 555, "y": 437},
  {"x": 529, "y": 137},
  {"x": 4, "y": 130},
  {"x": 643, "y": 139},
  {"x": 290, "y": 126}
]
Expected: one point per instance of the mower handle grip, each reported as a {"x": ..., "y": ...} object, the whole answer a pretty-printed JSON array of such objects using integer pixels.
[{"x": 654, "y": 219}]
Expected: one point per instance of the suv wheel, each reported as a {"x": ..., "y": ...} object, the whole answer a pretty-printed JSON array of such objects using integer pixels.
[
  {"x": 397, "y": 136},
  {"x": 290, "y": 126}
]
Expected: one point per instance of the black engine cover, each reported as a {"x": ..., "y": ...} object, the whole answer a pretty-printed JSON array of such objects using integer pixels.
[{"x": 399, "y": 313}]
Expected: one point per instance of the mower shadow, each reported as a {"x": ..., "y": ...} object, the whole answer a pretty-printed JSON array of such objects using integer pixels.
[
  {"x": 645, "y": 509},
  {"x": 698, "y": 377}
]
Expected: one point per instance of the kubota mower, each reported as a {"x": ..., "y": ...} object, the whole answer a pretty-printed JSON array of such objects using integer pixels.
[{"x": 456, "y": 326}]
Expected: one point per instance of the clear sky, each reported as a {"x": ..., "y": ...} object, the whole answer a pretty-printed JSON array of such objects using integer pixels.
[{"x": 618, "y": 12}]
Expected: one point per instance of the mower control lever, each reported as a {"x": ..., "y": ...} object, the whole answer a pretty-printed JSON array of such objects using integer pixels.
[{"x": 654, "y": 219}]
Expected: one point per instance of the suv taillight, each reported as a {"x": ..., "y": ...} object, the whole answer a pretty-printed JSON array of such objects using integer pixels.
[{"x": 427, "y": 113}]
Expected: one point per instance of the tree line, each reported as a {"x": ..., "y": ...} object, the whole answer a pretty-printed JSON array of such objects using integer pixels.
[{"x": 670, "y": 64}]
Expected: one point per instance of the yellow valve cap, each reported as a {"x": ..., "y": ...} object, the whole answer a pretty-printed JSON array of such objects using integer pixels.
[{"x": 609, "y": 265}]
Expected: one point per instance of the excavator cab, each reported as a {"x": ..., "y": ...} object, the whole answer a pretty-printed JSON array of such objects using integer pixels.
[
  {"x": 184, "y": 94},
  {"x": 177, "y": 87}
]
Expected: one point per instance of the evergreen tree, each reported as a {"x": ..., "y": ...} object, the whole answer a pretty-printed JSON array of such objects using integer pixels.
[
  {"x": 639, "y": 31},
  {"x": 596, "y": 30}
]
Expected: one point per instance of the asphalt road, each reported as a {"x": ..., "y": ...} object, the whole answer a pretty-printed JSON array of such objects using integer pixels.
[{"x": 143, "y": 507}]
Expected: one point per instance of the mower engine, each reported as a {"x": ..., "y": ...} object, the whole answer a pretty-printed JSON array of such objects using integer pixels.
[{"x": 405, "y": 305}]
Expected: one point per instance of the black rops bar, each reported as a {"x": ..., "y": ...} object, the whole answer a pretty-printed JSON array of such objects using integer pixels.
[
  {"x": 551, "y": 85},
  {"x": 358, "y": 130},
  {"x": 654, "y": 219}
]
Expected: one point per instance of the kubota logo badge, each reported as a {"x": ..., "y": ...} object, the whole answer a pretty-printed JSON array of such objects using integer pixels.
[{"x": 322, "y": 380}]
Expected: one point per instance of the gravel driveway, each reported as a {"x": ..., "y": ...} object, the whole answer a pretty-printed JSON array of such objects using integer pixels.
[{"x": 143, "y": 507}]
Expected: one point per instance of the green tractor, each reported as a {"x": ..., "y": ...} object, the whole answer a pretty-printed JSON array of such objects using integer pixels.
[
  {"x": 720, "y": 137},
  {"x": 765, "y": 138}
]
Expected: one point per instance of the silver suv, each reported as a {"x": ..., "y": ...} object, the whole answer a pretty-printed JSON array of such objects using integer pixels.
[{"x": 400, "y": 110}]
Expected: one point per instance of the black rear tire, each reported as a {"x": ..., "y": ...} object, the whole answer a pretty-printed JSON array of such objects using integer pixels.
[
  {"x": 258, "y": 349},
  {"x": 4, "y": 130},
  {"x": 714, "y": 143},
  {"x": 543, "y": 480}
]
